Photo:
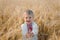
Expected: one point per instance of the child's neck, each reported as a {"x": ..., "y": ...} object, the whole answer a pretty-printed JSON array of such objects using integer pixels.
[{"x": 29, "y": 23}]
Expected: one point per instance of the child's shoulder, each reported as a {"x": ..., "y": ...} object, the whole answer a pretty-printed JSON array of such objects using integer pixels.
[
  {"x": 34, "y": 23},
  {"x": 22, "y": 24}
]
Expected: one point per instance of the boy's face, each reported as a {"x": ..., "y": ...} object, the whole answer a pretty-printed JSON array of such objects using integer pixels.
[{"x": 28, "y": 18}]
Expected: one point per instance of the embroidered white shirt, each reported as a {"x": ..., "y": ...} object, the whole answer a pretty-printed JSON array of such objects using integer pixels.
[{"x": 25, "y": 30}]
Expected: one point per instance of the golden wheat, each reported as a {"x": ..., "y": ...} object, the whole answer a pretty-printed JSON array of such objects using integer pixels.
[{"x": 46, "y": 12}]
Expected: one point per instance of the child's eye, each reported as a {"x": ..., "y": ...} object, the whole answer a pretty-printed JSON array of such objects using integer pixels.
[
  {"x": 29, "y": 17},
  {"x": 26, "y": 17}
]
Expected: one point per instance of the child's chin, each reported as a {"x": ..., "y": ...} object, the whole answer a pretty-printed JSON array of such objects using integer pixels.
[{"x": 28, "y": 23}]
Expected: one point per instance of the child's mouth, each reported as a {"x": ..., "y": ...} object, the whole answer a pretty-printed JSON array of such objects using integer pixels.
[{"x": 28, "y": 21}]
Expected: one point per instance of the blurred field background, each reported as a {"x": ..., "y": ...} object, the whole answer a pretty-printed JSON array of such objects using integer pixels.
[{"x": 47, "y": 16}]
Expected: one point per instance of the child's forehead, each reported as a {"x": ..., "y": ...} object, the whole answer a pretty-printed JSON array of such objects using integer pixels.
[{"x": 26, "y": 14}]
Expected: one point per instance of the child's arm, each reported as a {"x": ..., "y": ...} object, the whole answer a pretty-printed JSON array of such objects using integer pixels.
[
  {"x": 23, "y": 30},
  {"x": 35, "y": 30}
]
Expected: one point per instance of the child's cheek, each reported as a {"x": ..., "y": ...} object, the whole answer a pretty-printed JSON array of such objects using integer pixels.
[{"x": 24, "y": 19}]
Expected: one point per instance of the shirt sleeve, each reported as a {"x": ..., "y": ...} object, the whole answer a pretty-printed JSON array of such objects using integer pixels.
[
  {"x": 23, "y": 30},
  {"x": 35, "y": 29}
]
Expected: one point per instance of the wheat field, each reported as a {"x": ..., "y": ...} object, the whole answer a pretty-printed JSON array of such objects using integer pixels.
[{"x": 46, "y": 12}]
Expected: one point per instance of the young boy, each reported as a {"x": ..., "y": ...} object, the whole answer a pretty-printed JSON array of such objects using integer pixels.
[{"x": 29, "y": 27}]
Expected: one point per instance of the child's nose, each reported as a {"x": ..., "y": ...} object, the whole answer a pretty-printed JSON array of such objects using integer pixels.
[{"x": 28, "y": 19}]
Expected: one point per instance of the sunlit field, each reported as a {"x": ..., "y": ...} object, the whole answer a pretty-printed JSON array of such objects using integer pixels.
[{"x": 46, "y": 15}]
